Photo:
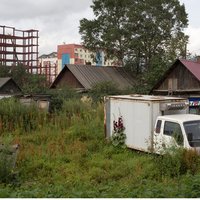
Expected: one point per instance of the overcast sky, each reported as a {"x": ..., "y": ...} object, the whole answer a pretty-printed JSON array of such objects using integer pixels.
[
  {"x": 58, "y": 20},
  {"x": 193, "y": 9}
]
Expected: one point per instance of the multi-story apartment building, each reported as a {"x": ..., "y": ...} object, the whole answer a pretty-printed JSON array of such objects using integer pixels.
[
  {"x": 48, "y": 65},
  {"x": 48, "y": 58},
  {"x": 51, "y": 64},
  {"x": 77, "y": 54}
]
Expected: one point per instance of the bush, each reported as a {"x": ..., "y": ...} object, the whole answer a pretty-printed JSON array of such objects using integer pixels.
[
  {"x": 190, "y": 161},
  {"x": 176, "y": 162},
  {"x": 100, "y": 90},
  {"x": 59, "y": 96}
]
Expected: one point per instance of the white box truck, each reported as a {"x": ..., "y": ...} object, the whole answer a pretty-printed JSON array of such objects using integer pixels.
[{"x": 153, "y": 123}]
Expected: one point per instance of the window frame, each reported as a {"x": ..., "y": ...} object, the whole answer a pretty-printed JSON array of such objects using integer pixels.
[
  {"x": 158, "y": 126},
  {"x": 178, "y": 136}
]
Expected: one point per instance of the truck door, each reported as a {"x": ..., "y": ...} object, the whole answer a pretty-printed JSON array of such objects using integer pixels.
[
  {"x": 172, "y": 134},
  {"x": 167, "y": 134},
  {"x": 157, "y": 139}
]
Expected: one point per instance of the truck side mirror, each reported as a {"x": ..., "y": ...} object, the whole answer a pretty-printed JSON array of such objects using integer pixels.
[{"x": 190, "y": 137}]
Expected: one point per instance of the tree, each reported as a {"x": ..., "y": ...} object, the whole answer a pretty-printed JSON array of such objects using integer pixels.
[
  {"x": 99, "y": 90},
  {"x": 36, "y": 83},
  {"x": 29, "y": 83},
  {"x": 18, "y": 73},
  {"x": 136, "y": 31},
  {"x": 108, "y": 30}
]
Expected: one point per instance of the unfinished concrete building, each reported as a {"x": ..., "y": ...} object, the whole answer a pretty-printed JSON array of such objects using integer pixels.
[{"x": 21, "y": 47}]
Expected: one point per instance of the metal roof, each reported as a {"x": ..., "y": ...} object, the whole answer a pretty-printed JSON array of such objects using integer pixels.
[
  {"x": 193, "y": 67},
  {"x": 89, "y": 75},
  {"x": 181, "y": 117},
  {"x": 139, "y": 97},
  {"x": 3, "y": 81}
]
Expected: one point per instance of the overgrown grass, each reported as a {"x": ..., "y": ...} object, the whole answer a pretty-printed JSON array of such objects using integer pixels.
[
  {"x": 66, "y": 155},
  {"x": 15, "y": 116}
]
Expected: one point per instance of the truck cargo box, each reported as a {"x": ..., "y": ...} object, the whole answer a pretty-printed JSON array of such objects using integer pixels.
[{"x": 139, "y": 113}]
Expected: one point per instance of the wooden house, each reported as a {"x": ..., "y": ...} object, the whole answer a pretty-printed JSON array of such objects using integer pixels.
[
  {"x": 181, "y": 79},
  {"x": 8, "y": 87},
  {"x": 84, "y": 77}
]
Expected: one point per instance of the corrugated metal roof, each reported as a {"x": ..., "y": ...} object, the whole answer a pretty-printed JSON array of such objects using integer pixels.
[
  {"x": 193, "y": 67},
  {"x": 89, "y": 75},
  {"x": 3, "y": 81}
]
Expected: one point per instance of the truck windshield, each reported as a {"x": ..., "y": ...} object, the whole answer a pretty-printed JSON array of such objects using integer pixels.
[{"x": 192, "y": 130}]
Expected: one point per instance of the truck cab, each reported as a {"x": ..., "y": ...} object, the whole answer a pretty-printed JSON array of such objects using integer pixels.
[{"x": 181, "y": 130}]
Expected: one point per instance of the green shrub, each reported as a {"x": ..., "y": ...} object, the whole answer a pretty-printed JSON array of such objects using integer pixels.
[
  {"x": 59, "y": 96},
  {"x": 176, "y": 162},
  {"x": 190, "y": 161},
  {"x": 100, "y": 90}
]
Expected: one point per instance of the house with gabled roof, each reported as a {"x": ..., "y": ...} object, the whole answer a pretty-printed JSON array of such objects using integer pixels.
[
  {"x": 84, "y": 77},
  {"x": 8, "y": 87},
  {"x": 181, "y": 79}
]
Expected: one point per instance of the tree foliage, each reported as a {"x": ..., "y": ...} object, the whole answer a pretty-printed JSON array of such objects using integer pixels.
[
  {"x": 140, "y": 34},
  {"x": 29, "y": 83},
  {"x": 99, "y": 90}
]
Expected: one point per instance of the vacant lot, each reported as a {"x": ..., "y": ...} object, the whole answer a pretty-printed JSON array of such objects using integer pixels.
[{"x": 65, "y": 154}]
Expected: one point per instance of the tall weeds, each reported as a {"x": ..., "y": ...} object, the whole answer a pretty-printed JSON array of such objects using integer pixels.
[
  {"x": 65, "y": 155},
  {"x": 14, "y": 115},
  {"x": 177, "y": 162}
]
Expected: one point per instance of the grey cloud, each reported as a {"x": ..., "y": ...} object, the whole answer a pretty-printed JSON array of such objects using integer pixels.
[
  {"x": 56, "y": 20},
  {"x": 23, "y": 9}
]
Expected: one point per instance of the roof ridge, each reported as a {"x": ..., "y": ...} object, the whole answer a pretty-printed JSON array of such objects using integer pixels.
[
  {"x": 195, "y": 62},
  {"x": 88, "y": 75}
]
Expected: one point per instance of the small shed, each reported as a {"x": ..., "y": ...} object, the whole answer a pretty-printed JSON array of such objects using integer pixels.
[
  {"x": 181, "y": 79},
  {"x": 83, "y": 77},
  {"x": 8, "y": 87},
  {"x": 42, "y": 101}
]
